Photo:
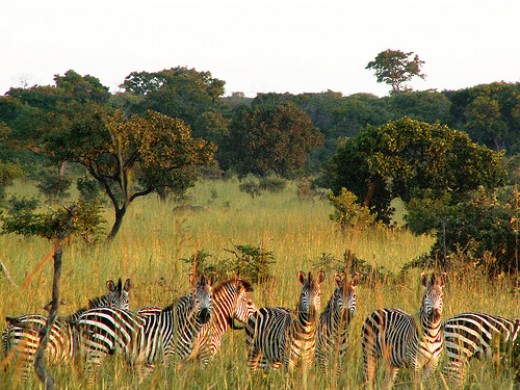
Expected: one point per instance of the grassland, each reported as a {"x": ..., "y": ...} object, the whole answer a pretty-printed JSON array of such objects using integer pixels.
[{"x": 154, "y": 238}]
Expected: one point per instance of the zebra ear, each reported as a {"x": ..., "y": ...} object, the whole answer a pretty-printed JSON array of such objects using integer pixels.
[
  {"x": 210, "y": 279},
  {"x": 301, "y": 277},
  {"x": 128, "y": 285},
  {"x": 111, "y": 286},
  {"x": 337, "y": 280},
  {"x": 193, "y": 278},
  {"x": 424, "y": 279},
  {"x": 321, "y": 277}
]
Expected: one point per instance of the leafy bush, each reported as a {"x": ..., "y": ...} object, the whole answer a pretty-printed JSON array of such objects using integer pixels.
[
  {"x": 348, "y": 213},
  {"x": 484, "y": 228},
  {"x": 22, "y": 217},
  {"x": 53, "y": 185},
  {"x": 251, "y": 262}
]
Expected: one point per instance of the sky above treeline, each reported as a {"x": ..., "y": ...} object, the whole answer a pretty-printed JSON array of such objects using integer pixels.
[{"x": 255, "y": 46}]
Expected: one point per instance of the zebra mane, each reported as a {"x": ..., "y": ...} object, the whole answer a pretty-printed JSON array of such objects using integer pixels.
[{"x": 237, "y": 281}]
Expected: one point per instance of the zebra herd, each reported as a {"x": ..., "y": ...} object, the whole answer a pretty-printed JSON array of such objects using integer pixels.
[{"x": 193, "y": 327}]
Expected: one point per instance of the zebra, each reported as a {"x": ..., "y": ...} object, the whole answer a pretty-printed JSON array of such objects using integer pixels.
[
  {"x": 22, "y": 334},
  {"x": 148, "y": 338},
  {"x": 469, "y": 335},
  {"x": 331, "y": 336},
  {"x": 395, "y": 336},
  {"x": 231, "y": 301},
  {"x": 276, "y": 335}
]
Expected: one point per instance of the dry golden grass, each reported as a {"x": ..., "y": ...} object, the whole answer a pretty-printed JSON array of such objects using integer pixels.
[{"x": 153, "y": 238}]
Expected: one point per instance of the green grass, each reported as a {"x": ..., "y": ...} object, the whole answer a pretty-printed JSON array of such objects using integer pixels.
[{"x": 153, "y": 239}]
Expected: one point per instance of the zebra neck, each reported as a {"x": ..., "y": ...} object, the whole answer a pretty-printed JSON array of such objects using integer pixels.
[{"x": 222, "y": 316}]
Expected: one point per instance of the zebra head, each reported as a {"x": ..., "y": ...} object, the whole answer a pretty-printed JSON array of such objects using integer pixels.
[
  {"x": 344, "y": 296},
  {"x": 244, "y": 305},
  {"x": 432, "y": 300},
  {"x": 310, "y": 297},
  {"x": 201, "y": 297},
  {"x": 117, "y": 296}
]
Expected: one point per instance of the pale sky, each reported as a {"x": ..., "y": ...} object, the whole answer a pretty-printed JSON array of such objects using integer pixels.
[{"x": 257, "y": 46}]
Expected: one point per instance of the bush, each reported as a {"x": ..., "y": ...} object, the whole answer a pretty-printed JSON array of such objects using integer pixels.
[
  {"x": 348, "y": 213},
  {"x": 53, "y": 185}
]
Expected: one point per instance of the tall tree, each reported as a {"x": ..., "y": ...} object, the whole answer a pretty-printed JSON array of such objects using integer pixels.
[
  {"x": 269, "y": 137},
  {"x": 411, "y": 159},
  {"x": 130, "y": 157},
  {"x": 395, "y": 67},
  {"x": 179, "y": 93}
]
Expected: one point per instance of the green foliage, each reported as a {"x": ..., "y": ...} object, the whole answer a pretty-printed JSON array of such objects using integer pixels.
[
  {"x": 53, "y": 185},
  {"x": 481, "y": 229},
  {"x": 88, "y": 189},
  {"x": 347, "y": 211},
  {"x": 410, "y": 159},
  {"x": 395, "y": 67},
  {"x": 251, "y": 262},
  {"x": 269, "y": 138},
  {"x": 254, "y": 186}
]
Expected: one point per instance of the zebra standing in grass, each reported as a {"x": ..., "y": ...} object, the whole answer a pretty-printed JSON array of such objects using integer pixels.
[
  {"x": 394, "y": 336},
  {"x": 276, "y": 335},
  {"x": 331, "y": 336},
  {"x": 144, "y": 340},
  {"x": 469, "y": 335},
  {"x": 231, "y": 301},
  {"x": 22, "y": 334}
]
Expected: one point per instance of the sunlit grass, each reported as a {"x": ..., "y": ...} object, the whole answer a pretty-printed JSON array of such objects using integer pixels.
[{"x": 154, "y": 238}]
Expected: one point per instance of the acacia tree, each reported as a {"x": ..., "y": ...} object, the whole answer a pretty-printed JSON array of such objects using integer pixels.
[
  {"x": 130, "y": 157},
  {"x": 411, "y": 159},
  {"x": 395, "y": 67},
  {"x": 269, "y": 137}
]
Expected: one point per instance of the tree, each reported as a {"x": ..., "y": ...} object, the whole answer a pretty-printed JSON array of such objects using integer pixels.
[
  {"x": 395, "y": 67},
  {"x": 411, "y": 159},
  {"x": 269, "y": 137},
  {"x": 179, "y": 93},
  {"x": 130, "y": 157}
]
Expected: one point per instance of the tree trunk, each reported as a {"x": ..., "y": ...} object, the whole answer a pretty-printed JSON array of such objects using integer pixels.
[
  {"x": 371, "y": 189},
  {"x": 39, "y": 362},
  {"x": 120, "y": 213}
]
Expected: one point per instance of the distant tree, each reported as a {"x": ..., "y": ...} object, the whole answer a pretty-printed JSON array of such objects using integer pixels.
[
  {"x": 395, "y": 67},
  {"x": 130, "y": 157},
  {"x": 180, "y": 93},
  {"x": 266, "y": 138},
  {"x": 411, "y": 159},
  {"x": 425, "y": 106}
]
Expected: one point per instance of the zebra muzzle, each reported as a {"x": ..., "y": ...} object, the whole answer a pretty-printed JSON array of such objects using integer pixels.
[{"x": 204, "y": 315}]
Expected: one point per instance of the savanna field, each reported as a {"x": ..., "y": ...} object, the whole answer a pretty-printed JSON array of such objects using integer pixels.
[{"x": 298, "y": 233}]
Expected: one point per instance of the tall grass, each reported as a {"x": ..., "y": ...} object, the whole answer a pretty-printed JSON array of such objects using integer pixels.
[{"x": 154, "y": 238}]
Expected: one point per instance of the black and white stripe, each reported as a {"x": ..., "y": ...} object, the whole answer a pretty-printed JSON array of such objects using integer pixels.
[
  {"x": 332, "y": 332},
  {"x": 145, "y": 339},
  {"x": 475, "y": 335},
  {"x": 22, "y": 334},
  {"x": 395, "y": 336},
  {"x": 276, "y": 335}
]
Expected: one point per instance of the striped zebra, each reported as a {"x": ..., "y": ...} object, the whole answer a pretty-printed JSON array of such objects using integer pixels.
[
  {"x": 331, "y": 336},
  {"x": 476, "y": 335},
  {"x": 395, "y": 336},
  {"x": 145, "y": 339},
  {"x": 276, "y": 335},
  {"x": 22, "y": 335},
  {"x": 231, "y": 301}
]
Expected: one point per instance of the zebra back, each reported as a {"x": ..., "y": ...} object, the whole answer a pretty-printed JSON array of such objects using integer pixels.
[
  {"x": 474, "y": 335},
  {"x": 396, "y": 337},
  {"x": 279, "y": 335},
  {"x": 334, "y": 321},
  {"x": 146, "y": 337},
  {"x": 231, "y": 301},
  {"x": 22, "y": 334}
]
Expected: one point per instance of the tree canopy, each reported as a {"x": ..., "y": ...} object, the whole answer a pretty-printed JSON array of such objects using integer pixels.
[
  {"x": 411, "y": 159},
  {"x": 395, "y": 67},
  {"x": 269, "y": 137}
]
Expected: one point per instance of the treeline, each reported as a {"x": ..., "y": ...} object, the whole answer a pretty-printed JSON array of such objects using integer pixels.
[{"x": 444, "y": 154}]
